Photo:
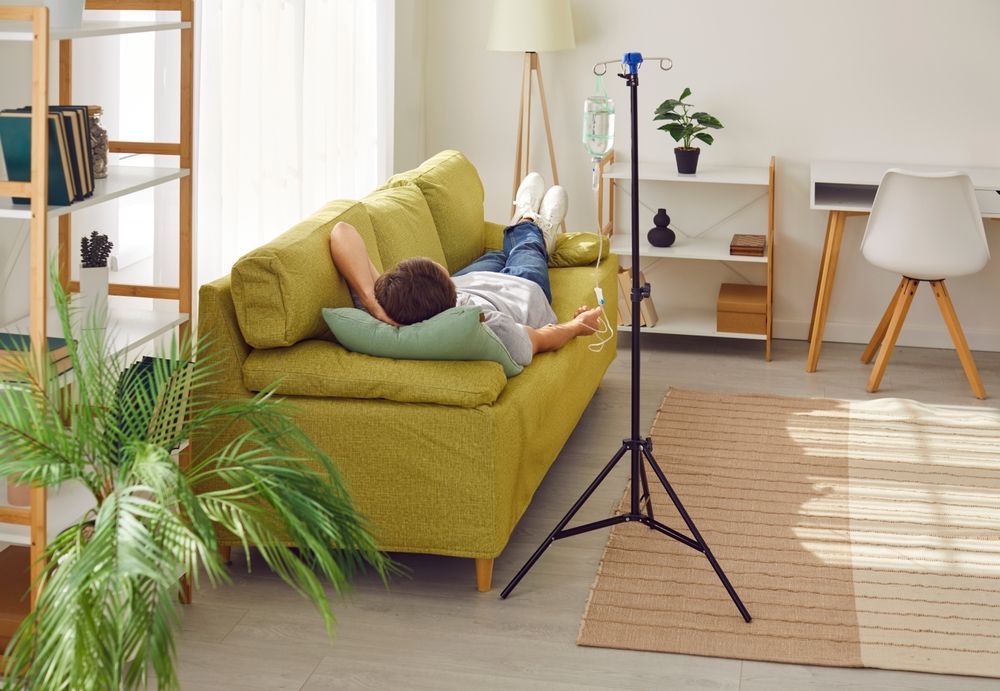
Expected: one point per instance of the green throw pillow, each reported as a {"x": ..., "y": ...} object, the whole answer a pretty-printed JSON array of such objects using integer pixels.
[
  {"x": 455, "y": 334},
  {"x": 578, "y": 249}
]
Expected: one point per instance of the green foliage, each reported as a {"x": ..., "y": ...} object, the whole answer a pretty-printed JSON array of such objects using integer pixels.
[
  {"x": 107, "y": 611},
  {"x": 684, "y": 125}
]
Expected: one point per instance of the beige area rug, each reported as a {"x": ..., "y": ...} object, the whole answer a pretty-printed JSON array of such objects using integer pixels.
[{"x": 859, "y": 534}]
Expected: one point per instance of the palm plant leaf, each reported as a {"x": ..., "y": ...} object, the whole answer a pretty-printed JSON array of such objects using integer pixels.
[{"x": 107, "y": 610}]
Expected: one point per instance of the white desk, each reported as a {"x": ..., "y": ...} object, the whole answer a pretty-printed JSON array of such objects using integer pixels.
[{"x": 848, "y": 189}]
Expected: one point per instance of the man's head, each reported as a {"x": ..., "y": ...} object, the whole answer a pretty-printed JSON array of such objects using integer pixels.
[{"x": 415, "y": 290}]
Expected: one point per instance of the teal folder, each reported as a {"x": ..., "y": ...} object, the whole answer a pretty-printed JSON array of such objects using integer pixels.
[{"x": 15, "y": 138}]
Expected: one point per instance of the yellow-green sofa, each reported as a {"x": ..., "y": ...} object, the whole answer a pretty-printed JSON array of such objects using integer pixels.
[{"x": 443, "y": 457}]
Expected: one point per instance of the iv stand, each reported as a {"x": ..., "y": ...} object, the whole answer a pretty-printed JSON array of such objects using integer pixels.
[{"x": 641, "y": 450}]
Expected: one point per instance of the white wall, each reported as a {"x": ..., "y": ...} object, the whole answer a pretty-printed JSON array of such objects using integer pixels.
[
  {"x": 409, "y": 125},
  {"x": 895, "y": 80}
]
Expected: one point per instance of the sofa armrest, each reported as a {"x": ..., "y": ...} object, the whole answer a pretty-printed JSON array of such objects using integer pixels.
[
  {"x": 220, "y": 338},
  {"x": 493, "y": 235}
]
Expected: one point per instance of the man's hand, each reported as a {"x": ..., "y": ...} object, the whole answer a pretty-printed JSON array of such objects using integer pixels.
[
  {"x": 588, "y": 320},
  {"x": 377, "y": 311}
]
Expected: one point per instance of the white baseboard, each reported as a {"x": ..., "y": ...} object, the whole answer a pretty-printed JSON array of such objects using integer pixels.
[{"x": 912, "y": 334}]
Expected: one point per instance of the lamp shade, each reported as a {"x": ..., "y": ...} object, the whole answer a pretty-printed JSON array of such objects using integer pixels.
[{"x": 531, "y": 26}]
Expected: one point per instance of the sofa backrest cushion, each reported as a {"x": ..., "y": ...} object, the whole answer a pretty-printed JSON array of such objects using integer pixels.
[
  {"x": 279, "y": 289},
  {"x": 403, "y": 225},
  {"x": 454, "y": 194}
]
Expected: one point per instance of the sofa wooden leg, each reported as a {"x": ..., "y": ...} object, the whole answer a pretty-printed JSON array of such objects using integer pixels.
[
  {"x": 484, "y": 575},
  {"x": 226, "y": 553}
]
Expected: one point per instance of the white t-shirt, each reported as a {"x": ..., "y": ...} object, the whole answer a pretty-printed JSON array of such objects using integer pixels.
[{"x": 509, "y": 303}]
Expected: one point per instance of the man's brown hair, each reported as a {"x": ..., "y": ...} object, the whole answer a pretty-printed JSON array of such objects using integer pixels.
[{"x": 415, "y": 290}]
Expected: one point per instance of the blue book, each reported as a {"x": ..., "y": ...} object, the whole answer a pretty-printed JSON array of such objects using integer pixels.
[{"x": 15, "y": 138}]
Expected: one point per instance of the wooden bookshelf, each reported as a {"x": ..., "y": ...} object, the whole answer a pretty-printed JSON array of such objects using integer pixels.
[{"x": 27, "y": 530}]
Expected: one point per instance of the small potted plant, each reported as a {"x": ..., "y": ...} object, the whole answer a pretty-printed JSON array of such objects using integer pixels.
[
  {"x": 685, "y": 126},
  {"x": 94, "y": 253}
]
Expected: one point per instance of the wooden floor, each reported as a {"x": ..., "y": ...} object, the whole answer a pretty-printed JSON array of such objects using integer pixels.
[{"x": 433, "y": 631}]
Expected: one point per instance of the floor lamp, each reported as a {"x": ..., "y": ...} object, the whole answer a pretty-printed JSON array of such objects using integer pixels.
[{"x": 530, "y": 27}]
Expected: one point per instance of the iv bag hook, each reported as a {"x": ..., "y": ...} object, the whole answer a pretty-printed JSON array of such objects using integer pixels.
[{"x": 601, "y": 68}]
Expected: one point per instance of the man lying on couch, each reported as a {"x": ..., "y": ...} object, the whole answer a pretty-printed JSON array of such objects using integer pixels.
[{"x": 511, "y": 285}]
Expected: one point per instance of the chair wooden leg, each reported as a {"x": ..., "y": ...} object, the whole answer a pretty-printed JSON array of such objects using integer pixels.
[
  {"x": 892, "y": 333},
  {"x": 883, "y": 325},
  {"x": 484, "y": 575},
  {"x": 958, "y": 338},
  {"x": 226, "y": 553}
]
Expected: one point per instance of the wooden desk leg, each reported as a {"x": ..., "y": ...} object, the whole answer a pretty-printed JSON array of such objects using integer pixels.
[
  {"x": 958, "y": 338},
  {"x": 828, "y": 271},
  {"x": 819, "y": 272}
]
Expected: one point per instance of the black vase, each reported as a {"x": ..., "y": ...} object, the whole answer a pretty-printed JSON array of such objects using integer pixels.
[
  {"x": 687, "y": 160},
  {"x": 661, "y": 235}
]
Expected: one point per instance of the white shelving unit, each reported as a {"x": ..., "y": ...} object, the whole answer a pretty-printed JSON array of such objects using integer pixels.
[
  {"x": 52, "y": 511},
  {"x": 121, "y": 181},
  {"x": 685, "y": 320}
]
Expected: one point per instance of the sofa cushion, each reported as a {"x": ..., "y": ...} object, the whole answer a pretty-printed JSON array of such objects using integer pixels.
[
  {"x": 579, "y": 249},
  {"x": 455, "y": 334},
  {"x": 403, "y": 225},
  {"x": 323, "y": 369},
  {"x": 279, "y": 288},
  {"x": 454, "y": 194}
]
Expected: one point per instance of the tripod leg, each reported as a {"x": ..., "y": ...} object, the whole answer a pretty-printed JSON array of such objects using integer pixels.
[
  {"x": 697, "y": 535},
  {"x": 645, "y": 492},
  {"x": 562, "y": 524}
]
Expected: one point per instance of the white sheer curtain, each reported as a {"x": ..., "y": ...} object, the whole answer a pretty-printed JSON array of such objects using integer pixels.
[{"x": 294, "y": 97}]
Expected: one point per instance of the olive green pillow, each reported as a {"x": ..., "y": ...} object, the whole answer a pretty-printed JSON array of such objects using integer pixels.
[
  {"x": 578, "y": 249},
  {"x": 455, "y": 334}
]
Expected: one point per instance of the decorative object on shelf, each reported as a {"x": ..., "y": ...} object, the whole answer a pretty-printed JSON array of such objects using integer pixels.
[
  {"x": 71, "y": 160},
  {"x": 94, "y": 253},
  {"x": 530, "y": 27},
  {"x": 18, "y": 494},
  {"x": 660, "y": 235},
  {"x": 98, "y": 142},
  {"x": 15, "y": 347},
  {"x": 684, "y": 127},
  {"x": 746, "y": 245},
  {"x": 65, "y": 14},
  {"x": 742, "y": 308},
  {"x": 110, "y": 582}
]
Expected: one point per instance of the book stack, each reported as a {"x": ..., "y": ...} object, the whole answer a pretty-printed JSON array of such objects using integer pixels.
[
  {"x": 14, "y": 347},
  {"x": 71, "y": 159},
  {"x": 748, "y": 245},
  {"x": 647, "y": 312}
]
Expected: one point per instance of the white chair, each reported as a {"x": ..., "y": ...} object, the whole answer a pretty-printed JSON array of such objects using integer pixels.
[{"x": 926, "y": 227}]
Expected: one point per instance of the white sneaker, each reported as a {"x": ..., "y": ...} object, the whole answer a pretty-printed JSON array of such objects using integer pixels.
[
  {"x": 551, "y": 213},
  {"x": 528, "y": 197}
]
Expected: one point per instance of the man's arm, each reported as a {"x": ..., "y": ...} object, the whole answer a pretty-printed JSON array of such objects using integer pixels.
[
  {"x": 555, "y": 336},
  {"x": 350, "y": 256}
]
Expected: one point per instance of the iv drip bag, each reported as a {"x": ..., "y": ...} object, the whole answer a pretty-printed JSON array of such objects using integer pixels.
[{"x": 598, "y": 128}]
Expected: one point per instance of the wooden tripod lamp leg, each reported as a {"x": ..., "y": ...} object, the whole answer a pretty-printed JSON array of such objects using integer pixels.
[{"x": 519, "y": 153}]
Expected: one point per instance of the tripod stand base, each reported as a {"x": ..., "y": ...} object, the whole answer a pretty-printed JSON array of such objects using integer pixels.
[{"x": 642, "y": 453}]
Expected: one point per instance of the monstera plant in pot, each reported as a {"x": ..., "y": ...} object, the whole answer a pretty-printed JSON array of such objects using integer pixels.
[
  {"x": 685, "y": 126},
  {"x": 106, "y": 614}
]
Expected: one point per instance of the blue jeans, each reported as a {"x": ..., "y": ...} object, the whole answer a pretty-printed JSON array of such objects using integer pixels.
[{"x": 523, "y": 255}]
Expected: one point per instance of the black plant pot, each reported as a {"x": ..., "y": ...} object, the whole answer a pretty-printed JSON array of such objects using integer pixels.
[{"x": 687, "y": 160}]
